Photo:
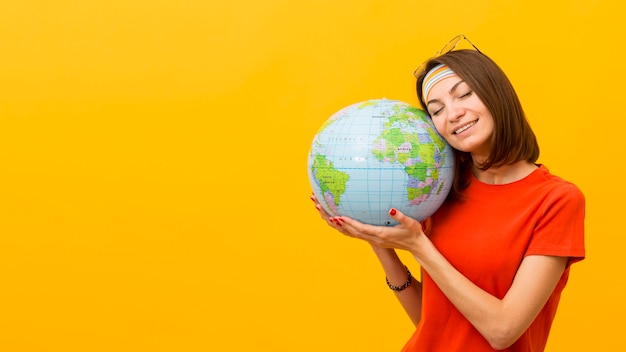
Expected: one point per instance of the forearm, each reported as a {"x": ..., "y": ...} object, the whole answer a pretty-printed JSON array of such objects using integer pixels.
[
  {"x": 479, "y": 307},
  {"x": 500, "y": 321},
  {"x": 411, "y": 297}
]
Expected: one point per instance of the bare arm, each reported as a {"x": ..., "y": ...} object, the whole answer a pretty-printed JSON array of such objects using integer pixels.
[
  {"x": 411, "y": 297},
  {"x": 500, "y": 321}
]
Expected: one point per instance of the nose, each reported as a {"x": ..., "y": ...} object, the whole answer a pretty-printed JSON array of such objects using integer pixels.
[{"x": 455, "y": 111}]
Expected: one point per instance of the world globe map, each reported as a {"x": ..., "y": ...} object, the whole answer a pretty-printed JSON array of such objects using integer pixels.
[{"x": 378, "y": 154}]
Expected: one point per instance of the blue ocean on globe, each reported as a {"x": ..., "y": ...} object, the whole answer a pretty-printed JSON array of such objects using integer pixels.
[{"x": 376, "y": 155}]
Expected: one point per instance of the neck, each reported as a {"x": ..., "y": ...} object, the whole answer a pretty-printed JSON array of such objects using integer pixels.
[{"x": 504, "y": 174}]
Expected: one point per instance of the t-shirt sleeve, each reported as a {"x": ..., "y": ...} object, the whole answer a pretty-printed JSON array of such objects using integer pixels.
[{"x": 560, "y": 230}]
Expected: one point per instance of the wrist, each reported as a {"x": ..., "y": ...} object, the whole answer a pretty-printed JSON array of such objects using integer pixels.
[
  {"x": 406, "y": 284},
  {"x": 421, "y": 246}
]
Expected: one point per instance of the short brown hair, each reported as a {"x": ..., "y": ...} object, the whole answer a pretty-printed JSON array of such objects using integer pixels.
[{"x": 513, "y": 139}]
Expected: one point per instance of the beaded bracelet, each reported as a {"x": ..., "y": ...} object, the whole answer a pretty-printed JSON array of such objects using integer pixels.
[{"x": 405, "y": 285}]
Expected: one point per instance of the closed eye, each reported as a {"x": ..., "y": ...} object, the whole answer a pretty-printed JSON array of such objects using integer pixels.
[
  {"x": 436, "y": 112},
  {"x": 467, "y": 94}
]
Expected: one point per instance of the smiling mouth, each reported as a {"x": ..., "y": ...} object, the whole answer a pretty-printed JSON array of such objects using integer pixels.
[{"x": 465, "y": 127}]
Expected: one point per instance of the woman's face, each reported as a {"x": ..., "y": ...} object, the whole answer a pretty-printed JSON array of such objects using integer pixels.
[{"x": 461, "y": 117}]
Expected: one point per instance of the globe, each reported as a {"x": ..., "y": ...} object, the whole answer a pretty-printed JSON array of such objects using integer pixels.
[{"x": 378, "y": 154}]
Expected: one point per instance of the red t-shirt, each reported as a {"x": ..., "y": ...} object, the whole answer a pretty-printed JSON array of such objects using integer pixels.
[{"x": 485, "y": 237}]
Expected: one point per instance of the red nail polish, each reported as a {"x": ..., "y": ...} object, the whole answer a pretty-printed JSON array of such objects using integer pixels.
[{"x": 392, "y": 212}]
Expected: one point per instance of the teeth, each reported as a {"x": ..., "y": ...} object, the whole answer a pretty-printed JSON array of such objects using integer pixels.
[{"x": 465, "y": 127}]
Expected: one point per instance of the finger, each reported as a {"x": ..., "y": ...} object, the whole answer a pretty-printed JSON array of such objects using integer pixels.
[
  {"x": 397, "y": 215},
  {"x": 405, "y": 221},
  {"x": 319, "y": 207},
  {"x": 314, "y": 199},
  {"x": 322, "y": 211},
  {"x": 357, "y": 229}
]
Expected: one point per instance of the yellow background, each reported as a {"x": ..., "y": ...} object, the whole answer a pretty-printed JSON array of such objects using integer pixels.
[{"x": 153, "y": 185}]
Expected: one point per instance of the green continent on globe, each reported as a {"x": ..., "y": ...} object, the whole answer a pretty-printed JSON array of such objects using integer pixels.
[
  {"x": 439, "y": 141},
  {"x": 330, "y": 180},
  {"x": 399, "y": 143}
]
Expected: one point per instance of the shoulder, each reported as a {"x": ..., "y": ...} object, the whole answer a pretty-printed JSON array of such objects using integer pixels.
[
  {"x": 557, "y": 190},
  {"x": 557, "y": 185}
]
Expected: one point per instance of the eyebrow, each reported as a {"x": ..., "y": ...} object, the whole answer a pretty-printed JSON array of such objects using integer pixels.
[{"x": 451, "y": 91}]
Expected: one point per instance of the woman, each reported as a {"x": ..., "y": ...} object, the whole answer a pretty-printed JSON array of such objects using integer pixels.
[{"x": 496, "y": 256}]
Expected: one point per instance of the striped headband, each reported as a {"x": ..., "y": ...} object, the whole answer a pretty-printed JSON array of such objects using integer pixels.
[{"x": 433, "y": 77}]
